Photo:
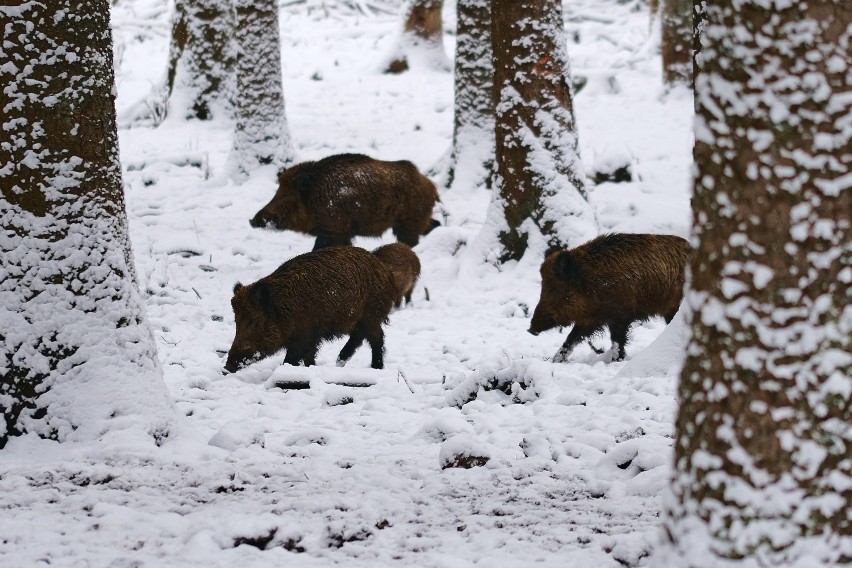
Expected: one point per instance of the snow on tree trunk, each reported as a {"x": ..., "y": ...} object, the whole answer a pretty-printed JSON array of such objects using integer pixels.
[
  {"x": 261, "y": 135},
  {"x": 472, "y": 155},
  {"x": 763, "y": 475},
  {"x": 540, "y": 180},
  {"x": 199, "y": 77},
  {"x": 676, "y": 42},
  {"x": 77, "y": 358},
  {"x": 422, "y": 38}
]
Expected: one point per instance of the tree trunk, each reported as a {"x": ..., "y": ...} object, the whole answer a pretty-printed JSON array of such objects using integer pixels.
[
  {"x": 77, "y": 357},
  {"x": 763, "y": 475},
  {"x": 201, "y": 58},
  {"x": 539, "y": 175},
  {"x": 261, "y": 135},
  {"x": 423, "y": 32},
  {"x": 472, "y": 154},
  {"x": 677, "y": 41}
]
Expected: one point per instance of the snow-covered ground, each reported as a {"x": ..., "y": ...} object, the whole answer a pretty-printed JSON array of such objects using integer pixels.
[{"x": 573, "y": 456}]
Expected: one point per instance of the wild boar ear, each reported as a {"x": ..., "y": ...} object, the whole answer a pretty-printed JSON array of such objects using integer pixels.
[
  {"x": 260, "y": 296},
  {"x": 552, "y": 249},
  {"x": 565, "y": 267},
  {"x": 237, "y": 287},
  {"x": 303, "y": 182}
]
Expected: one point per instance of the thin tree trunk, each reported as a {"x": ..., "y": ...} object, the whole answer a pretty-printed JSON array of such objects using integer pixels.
[
  {"x": 423, "y": 32},
  {"x": 201, "y": 58},
  {"x": 763, "y": 475},
  {"x": 77, "y": 357},
  {"x": 539, "y": 176},
  {"x": 472, "y": 153},
  {"x": 676, "y": 43},
  {"x": 261, "y": 135}
]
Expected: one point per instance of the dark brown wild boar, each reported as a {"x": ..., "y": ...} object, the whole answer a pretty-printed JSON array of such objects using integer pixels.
[
  {"x": 613, "y": 281},
  {"x": 309, "y": 299},
  {"x": 348, "y": 195},
  {"x": 405, "y": 267}
]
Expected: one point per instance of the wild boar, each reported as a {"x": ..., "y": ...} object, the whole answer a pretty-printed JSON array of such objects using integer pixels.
[
  {"x": 309, "y": 299},
  {"x": 405, "y": 267},
  {"x": 613, "y": 281},
  {"x": 347, "y": 195}
]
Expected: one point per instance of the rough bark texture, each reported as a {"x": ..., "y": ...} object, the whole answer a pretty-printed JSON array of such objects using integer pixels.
[
  {"x": 70, "y": 313},
  {"x": 472, "y": 154},
  {"x": 423, "y": 30},
  {"x": 261, "y": 134},
  {"x": 201, "y": 57},
  {"x": 763, "y": 475},
  {"x": 539, "y": 175},
  {"x": 676, "y": 45}
]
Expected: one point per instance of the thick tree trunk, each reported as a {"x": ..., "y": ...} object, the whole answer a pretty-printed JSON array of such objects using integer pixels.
[
  {"x": 423, "y": 32},
  {"x": 539, "y": 176},
  {"x": 763, "y": 475},
  {"x": 201, "y": 58},
  {"x": 77, "y": 357},
  {"x": 261, "y": 135},
  {"x": 472, "y": 154},
  {"x": 676, "y": 42}
]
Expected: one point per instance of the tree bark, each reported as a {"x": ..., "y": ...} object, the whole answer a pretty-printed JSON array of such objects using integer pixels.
[
  {"x": 472, "y": 153},
  {"x": 539, "y": 175},
  {"x": 676, "y": 43},
  {"x": 201, "y": 57},
  {"x": 423, "y": 31},
  {"x": 261, "y": 134},
  {"x": 762, "y": 474},
  {"x": 77, "y": 357}
]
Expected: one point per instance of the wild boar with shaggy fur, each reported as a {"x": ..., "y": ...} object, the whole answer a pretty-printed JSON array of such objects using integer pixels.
[
  {"x": 348, "y": 195},
  {"x": 405, "y": 267},
  {"x": 309, "y": 299},
  {"x": 611, "y": 281}
]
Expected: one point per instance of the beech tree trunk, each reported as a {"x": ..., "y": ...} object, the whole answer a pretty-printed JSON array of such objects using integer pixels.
[
  {"x": 539, "y": 178},
  {"x": 472, "y": 154},
  {"x": 763, "y": 475},
  {"x": 423, "y": 32},
  {"x": 77, "y": 358},
  {"x": 261, "y": 135},
  {"x": 676, "y": 42}
]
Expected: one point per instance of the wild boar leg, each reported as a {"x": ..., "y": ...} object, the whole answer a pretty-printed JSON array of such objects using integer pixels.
[
  {"x": 575, "y": 337},
  {"x": 618, "y": 334},
  {"x": 356, "y": 338},
  {"x": 301, "y": 350},
  {"x": 376, "y": 339},
  {"x": 325, "y": 240}
]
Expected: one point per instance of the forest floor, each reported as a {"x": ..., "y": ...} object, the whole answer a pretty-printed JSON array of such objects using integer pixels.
[{"x": 578, "y": 453}]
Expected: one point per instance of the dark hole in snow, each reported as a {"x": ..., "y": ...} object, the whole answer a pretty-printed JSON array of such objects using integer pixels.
[
  {"x": 185, "y": 253},
  {"x": 231, "y": 489},
  {"x": 293, "y": 545},
  {"x": 383, "y": 524},
  {"x": 337, "y": 540},
  {"x": 578, "y": 82},
  {"x": 292, "y": 385},
  {"x": 626, "y": 464},
  {"x": 466, "y": 462},
  {"x": 218, "y": 318},
  {"x": 618, "y": 175},
  {"x": 207, "y": 268},
  {"x": 637, "y": 432},
  {"x": 256, "y": 541}
]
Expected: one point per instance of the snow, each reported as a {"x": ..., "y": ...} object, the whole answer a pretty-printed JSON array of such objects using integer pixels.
[{"x": 324, "y": 465}]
